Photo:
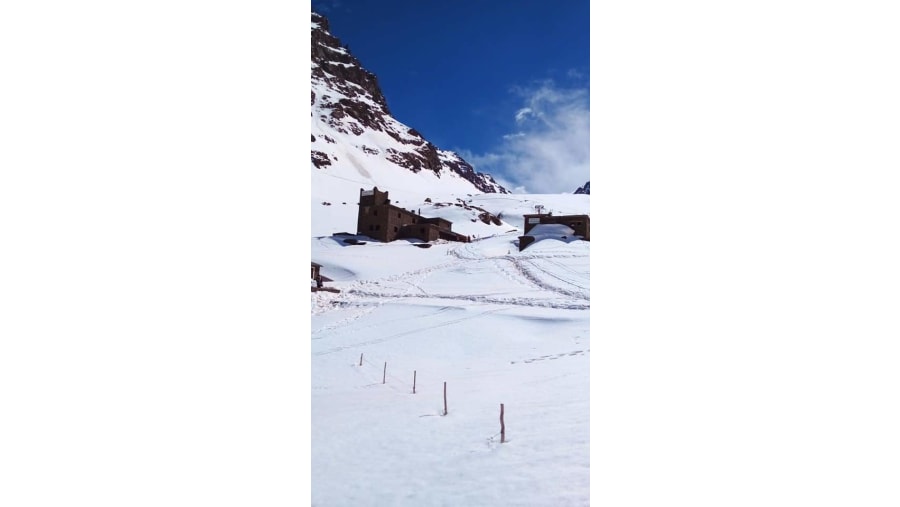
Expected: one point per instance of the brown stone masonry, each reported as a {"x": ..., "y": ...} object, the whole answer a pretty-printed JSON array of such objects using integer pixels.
[
  {"x": 381, "y": 220},
  {"x": 581, "y": 224}
]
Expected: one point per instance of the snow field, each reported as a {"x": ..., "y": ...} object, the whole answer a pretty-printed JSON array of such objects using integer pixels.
[
  {"x": 400, "y": 449},
  {"x": 496, "y": 324}
]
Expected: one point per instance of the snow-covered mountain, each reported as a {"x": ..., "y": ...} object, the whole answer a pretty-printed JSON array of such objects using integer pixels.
[
  {"x": 496, "y": 324},
  {"x": 585, "y": 189},
  {"x": 355, "y": 140}
]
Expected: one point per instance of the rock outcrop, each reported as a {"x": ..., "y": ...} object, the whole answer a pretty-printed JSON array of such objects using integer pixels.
[{"x": 348, "y": 100}]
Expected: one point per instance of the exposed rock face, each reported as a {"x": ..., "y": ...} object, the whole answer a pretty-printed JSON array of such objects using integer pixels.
[
  {"x": 320, "y": 159},
  {"x": 586, "y": 189},
  {"x": 335, "y": 65},
  {"x": 347, "y": 98}
]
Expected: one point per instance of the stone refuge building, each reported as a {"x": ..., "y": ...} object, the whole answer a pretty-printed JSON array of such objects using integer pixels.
[
  {"x": 381, "y": 220},
  {"x": 579, "y": 224}
]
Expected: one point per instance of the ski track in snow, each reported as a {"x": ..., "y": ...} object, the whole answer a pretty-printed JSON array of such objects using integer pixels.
[
  {"x": 568, "y": 293},
  {"x": 405, "y": 333}
]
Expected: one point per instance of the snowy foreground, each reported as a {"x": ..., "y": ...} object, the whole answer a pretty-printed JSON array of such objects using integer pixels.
[{"x": 497, "y": 325}]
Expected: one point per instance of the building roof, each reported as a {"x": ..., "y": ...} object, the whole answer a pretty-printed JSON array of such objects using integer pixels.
[{"x": 547, "y": 215}]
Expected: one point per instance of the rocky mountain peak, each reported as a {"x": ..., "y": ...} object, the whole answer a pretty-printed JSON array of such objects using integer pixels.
[
  {"x": 333, "y": 63},
  {"x": 347, "y": 100},
  {"x": 585, "y": 189}
]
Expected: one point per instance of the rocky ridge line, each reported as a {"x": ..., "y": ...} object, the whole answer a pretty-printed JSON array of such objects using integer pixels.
[{"x": 357, "y": 103}]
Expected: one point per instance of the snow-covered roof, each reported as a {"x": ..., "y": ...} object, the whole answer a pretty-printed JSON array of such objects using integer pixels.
[{"x": 550, "y": 230}]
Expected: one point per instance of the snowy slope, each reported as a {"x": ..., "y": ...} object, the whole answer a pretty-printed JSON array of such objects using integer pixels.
[
  {"x": 356, "y": 142},
  {"x": 496, "y": 324}
]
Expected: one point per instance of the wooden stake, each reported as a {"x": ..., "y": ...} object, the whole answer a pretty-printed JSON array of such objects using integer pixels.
[
  {"x": 360, "y": 359},
  {"x": 384, "y": 375},
  {"x": 502, "y": 426},
  {"x": 445, "y": 398},
  {"x": 414, "y": 381}
]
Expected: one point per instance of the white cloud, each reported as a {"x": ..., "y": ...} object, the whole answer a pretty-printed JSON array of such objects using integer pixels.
[
  {"x": 550, "y": 151},
  {"x": 522, "y": 114}
]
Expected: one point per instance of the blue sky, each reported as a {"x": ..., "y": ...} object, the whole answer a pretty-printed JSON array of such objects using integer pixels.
[{"x": 503, "y": 83}]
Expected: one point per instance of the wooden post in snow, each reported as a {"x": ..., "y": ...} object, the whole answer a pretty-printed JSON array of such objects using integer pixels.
[
  {"x": 384, "y": 375},
  {"x": 445, "y": 398},
  {"x": 502, "y": 426},
  {"x": 360, "y": 358},
  {"x": 414, "y": 381}
]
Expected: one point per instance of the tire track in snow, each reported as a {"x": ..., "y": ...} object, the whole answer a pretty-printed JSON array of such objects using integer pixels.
[
  {"x": 525, "y": 267},
  {"x": 521, "y": 264},
  {"x": 577, "y": 276}
]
